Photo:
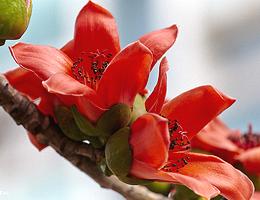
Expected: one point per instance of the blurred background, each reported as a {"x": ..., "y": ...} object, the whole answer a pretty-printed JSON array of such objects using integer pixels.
[{"x": 218, "y": 44}]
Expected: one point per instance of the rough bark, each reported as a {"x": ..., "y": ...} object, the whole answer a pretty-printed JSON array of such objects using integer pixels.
[{"x": 81, "y": 155}]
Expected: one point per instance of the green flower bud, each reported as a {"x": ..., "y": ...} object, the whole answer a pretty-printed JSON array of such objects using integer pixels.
[{"x": 14, "y": 18}]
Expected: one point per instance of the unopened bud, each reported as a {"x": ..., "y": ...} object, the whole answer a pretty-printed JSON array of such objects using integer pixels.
[{"x": 14, "y": 18}]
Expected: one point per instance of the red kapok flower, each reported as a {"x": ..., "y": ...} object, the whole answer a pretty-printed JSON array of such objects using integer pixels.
[
  {"x": 90, "y": 71},
  {"x": 230, "y": 144},
  {"x": 159, "y": 146}
]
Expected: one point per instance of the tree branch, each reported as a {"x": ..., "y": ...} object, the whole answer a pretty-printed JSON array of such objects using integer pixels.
[{"x": 80, "y": 154}]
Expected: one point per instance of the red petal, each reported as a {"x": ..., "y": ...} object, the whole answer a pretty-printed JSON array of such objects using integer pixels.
[
  {"x": 95, "y": 29},
  {"x": 26, "y": 82},
  {"x": 66, "y": 85},
  {"x": 160, "y": 41},
  {"x": 155, "y": 101},
  {"x": 47, "y": 104},
  {"x": 35, "y": 142},
  {"x": 68, "y": 49},
  {"x": 126, "y": 75},
  {"x": 150, "y": 140},
  {"x": 72, "y": 92},
  {"x": 256, "y": 196},
  {"x": 29, "y": 84},
  {"x": 144, "y": 171},
  {"x": 220, "y": 174},
  {"x": 44, "y": 61},
  {"x": 214, "y": 138},
  {"x": 195, "y": 108},
  {"x": 251, "y": 160},
  {"x": 89, "y": 109}
]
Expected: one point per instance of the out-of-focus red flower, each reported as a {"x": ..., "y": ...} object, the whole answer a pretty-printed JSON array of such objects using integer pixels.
[
  {"x": 159, "y": 146},
  {"x": 90, "y": 71},
  {"x": 256, "y": 196},
  {"x": 231, "y": 145}
]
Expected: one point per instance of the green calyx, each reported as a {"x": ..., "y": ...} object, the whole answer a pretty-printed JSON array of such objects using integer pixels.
[
  {"x": 119, "y": 157},
  {"x": 118, "y": 153},
  {"x": 118, "y": 116},
  {"x": 14, "y": 18},
  {"x": 138, "y": 107},
  {"x": 68, "y": 126},
  {"x": 77, "y": 127},
  {"x": 110, "y": 132}
]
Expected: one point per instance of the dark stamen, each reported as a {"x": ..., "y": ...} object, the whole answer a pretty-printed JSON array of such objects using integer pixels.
[
  {"x": 175, "y": 165},
  {"x": 179, "y": 139},
  {"x": 89, "y": 68},
  {"x": 248, "y": 140}
]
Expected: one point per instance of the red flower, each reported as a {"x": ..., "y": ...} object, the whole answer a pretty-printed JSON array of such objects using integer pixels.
[
  {"x": 256, "y": 196},
  {"x": 90, "y": 71},
  {"x": 159, "y": 146},
  {"x": 230, "y": 145}
]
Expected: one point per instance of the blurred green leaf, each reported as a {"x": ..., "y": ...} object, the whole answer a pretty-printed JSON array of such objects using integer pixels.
[
  {"x": 133, "y": 181},
  {"x": 160, "y": 187},
  {"x": 184, "y": 193}
]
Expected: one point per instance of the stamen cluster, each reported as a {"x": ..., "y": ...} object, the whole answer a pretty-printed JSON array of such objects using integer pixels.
[{"x": 248, "y": 140}]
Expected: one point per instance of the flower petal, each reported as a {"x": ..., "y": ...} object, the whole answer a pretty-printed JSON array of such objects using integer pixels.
[
  {"x": 35, "y": 142},
  {"x": 26, "y": 82},
  {"x": 195, "y": 108},
  {"x": 155, "y": 101},
  {"x": 256, "y": 196},
  {"x": 95, "y": 29},
  {"x": 66, "y": 85},
  {"x": 219, "y": 173},
  {"x": 68, "y": 49},
  {"x": 89, "y": 109},
  {"x": 126, "y": 75},
  {"x": 30, "y": 85},
  {"x": 71, "y": 92},
  {"x": 44, "y": 61},
  {"x": 160, "y": 41},
  {"x": 251, "y": 160},
  {"x": 143, "y": 171},
  {"x": 214, "y": 138},
  {"x": 150, "y": 140}
]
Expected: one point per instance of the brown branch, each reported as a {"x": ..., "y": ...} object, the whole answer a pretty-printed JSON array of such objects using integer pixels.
[{"x": 81, "y": 155}]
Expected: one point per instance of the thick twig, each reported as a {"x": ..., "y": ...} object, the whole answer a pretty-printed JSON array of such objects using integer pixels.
[{"x": 82, "y": 155}]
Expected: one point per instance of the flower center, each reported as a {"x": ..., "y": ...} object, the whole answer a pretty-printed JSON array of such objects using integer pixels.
[
  {"x": 178, "y": 137},
  {"x": 248, "y": 140},
  {"x": 89, "y": 68},
  {"x": 179, "y": 142}
]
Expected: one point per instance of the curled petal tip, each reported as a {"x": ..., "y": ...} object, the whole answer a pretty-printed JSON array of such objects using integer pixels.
[{"x": 227, "y": 99}]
